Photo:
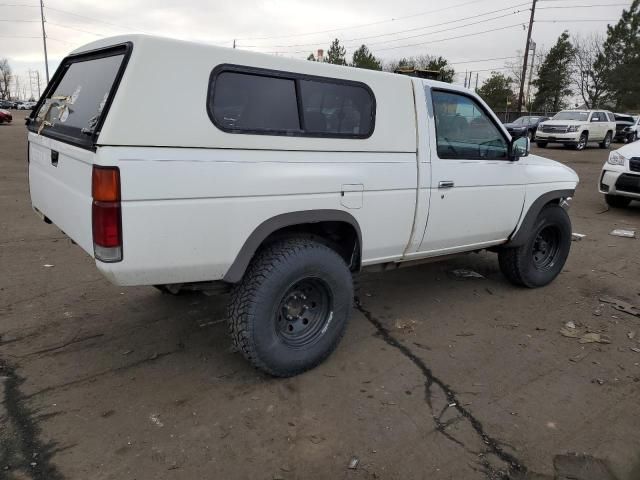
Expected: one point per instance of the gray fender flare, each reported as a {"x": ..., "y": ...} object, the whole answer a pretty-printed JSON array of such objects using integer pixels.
[
  {"x": 520, "y": 236},
  {"x": 238, "y": 267}
]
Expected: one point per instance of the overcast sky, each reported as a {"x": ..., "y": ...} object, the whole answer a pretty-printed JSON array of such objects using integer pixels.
[{"x": 392, "y": 29}]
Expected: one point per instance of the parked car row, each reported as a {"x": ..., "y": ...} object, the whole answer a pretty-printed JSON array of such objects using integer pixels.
[
  {"x": 17, "y": 104},
  {"x": 577, "y": 128}
]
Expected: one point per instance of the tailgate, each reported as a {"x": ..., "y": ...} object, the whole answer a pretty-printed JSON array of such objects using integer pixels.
[
  {"x": 63, "y": 134},
  {"x": 60, "y": 184}
]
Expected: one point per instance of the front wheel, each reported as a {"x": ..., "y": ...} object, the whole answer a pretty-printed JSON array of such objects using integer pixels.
[
  {"x": 542, "y": 257},
  {"x": 607, "y": 141},
  {"x": 541, "y": 144},
  {"x": 292, "y": 306},
  {"x": 582, "y": 142}
]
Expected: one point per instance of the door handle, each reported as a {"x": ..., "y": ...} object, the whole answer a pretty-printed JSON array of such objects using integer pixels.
[{"x": 446, "y": 184}]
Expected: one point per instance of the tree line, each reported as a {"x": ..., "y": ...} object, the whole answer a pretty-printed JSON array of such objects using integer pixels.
[
  {"x": 603, "y": 71},
  {"x": 362, "y": 57}
]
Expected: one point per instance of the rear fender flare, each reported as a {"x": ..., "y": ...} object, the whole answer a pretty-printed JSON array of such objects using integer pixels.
[{"x": 265, "y": 229}]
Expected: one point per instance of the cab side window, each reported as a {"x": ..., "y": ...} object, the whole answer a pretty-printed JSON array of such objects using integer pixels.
[
  {"x": 595, "y": 117},
  {"x": 464, "y": 131}
]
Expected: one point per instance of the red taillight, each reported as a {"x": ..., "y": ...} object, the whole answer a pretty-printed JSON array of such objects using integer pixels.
[
  {"x": 106, "y": 224},
  {"x": 106, "y": 214}
]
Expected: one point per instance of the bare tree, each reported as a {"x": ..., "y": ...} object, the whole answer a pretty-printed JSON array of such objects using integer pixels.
[
  {"x": 513, "y": 69},
  {"x": 590, "y": 69},
  {"x": 5, "y": 78}
]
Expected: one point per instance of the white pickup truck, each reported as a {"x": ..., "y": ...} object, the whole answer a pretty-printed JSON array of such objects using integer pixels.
[{"x": 279, "y": 179}]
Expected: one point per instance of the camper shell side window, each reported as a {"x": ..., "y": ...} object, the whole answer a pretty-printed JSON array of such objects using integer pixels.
[
  {"x": 75, "y": 104},
  {"x": 268, "y": 102}
]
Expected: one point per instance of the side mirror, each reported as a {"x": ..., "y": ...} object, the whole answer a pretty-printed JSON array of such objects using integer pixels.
[{"x": 520, "y": 148}]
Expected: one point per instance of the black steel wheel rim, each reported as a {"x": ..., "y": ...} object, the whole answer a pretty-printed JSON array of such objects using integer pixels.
[
  {"x": 304, "y": 313},
  {"x": 545, "y": 247}
]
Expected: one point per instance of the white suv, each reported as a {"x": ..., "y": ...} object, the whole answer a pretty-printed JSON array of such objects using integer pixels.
[
  {"x": 279, "y": 180},
  {"x": 620, "y": 178},
  {"x": 577, "y": 128}
]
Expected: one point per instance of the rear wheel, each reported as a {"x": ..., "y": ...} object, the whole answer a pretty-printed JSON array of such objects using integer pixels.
[
  {"x": 542, "y": 144},
  {"x": 292, "y": 307},
  {"x": 617, "y": 201},
  {"x": 542, "y": 257},
  {"x": 582, "y": 142},
  {"x": 607, "y": 141}
]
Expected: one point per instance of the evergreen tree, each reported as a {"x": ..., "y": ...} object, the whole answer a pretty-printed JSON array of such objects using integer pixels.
[
  {"x": 496, "y": 90},
  {"x": 621, "y": 52},
  {"x": 311, "y": 58},
  {"x": 554, "y": 76},
  {"x": 363, "y": 58},
  {"x": 336, "y": 54}
]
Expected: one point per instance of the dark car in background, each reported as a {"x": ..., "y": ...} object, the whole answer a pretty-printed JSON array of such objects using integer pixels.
[
  {"x": 525, "y": 126},
  {"x": 625, "y": 128}
]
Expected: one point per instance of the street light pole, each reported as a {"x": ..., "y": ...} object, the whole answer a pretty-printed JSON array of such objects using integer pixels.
[{"x": 44, "y": 40}]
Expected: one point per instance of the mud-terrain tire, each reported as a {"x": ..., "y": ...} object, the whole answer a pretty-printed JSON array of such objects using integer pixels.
[
  {"x": 616, "y": 201},
  {"x": 542, "y": 257},
  {"x": 292, "y": 306}
]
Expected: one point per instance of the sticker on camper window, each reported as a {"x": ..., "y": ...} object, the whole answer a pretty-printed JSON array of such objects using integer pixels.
[
  {"x": 64, "y": 114},
  {"x": 103, "y": 102},
  {"x": 75, "y": 95}
]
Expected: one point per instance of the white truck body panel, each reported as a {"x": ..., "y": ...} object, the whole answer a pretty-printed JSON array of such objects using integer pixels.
[{"x": 192, "y": 194}]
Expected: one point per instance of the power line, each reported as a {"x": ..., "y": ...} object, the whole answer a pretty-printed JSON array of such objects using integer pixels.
[
  {"x": 407, "y": 30},
  {"x": 579, "y": 20},
  {"x": 74, "y": 28},
  {"x": 362, "y": 25},
  {"x": 120, "y": 27},
  {"x": 587, "y": 6},
  {"x": 398, "y": 31},
  {"x": 429, "y": 42}
]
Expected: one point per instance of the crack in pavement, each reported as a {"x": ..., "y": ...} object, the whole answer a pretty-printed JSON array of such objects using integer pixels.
[
  {"x": 21, "y": 449},
  {"x": 493, "y": 446}
]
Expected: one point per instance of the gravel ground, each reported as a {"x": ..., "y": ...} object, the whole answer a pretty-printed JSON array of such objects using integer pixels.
[{"x": 437, "y": 377}]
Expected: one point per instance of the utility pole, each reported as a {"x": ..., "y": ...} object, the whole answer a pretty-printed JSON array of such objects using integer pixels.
[
  {"x": 533, "y": 60},
  {"x": 526, "y": 55},
  {"x": 234, "y": 43},
  {"x": 44, "y": 40}
]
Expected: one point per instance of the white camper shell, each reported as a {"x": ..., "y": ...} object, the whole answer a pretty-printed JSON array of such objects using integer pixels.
[{"x": 267, "y": 159}]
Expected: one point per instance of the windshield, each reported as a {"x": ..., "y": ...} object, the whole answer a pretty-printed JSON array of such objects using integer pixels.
[
  {"x": 571, "y": 115},
  {"x": 525, "y": 120}
]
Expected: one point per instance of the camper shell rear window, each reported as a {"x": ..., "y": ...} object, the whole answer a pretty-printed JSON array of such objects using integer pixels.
[
  {"x": 269, "y": 102},
  {"x": 78, "y": 97}
]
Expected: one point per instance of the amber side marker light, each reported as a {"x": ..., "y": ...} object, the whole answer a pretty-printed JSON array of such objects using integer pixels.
[{"x": 106, "y": 214}]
